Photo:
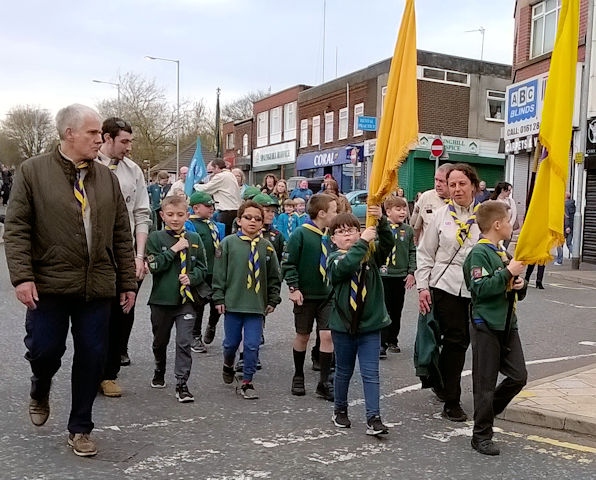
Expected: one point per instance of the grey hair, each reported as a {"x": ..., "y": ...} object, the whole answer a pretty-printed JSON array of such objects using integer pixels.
[
  {"x": 445, "y": 167},
  {"x": 72, "y": 116}
]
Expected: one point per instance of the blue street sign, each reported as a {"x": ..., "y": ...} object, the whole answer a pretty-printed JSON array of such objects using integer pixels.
[{"x": 368, "y": 124}]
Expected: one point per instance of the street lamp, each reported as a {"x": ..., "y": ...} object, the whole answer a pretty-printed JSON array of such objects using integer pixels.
[
  {"x": 177, "y": 62},
  {"x": 117, "y": 85}
]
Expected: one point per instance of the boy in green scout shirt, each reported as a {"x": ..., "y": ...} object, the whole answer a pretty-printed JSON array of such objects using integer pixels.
[
  {"x": 397, "y": 271},
  {"x": 202, "y": 205},
  {"x": 304, "y": 270},
  {"x": 177, "y": 261},
  {"x": 358, "y": 313},
  {"x": 246, "y": 284},
  {"x": 496, "y": 347}
]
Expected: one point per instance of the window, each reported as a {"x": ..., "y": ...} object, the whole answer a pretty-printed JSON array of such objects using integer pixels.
[
  {"x": 316, "y": 130},
  {"x": 229, "y": 141},
  {"x": 444, "y": 76},
  {"x": 383, "y": 95},
  {"x": 343, "y": 124},
  {"x": 262, "y": 128},
  {"x": 358, "y": 112},
  {"x": 290, "y": 121},
  {"x": 275, "y": 125},
  {"x": 304, "y": 133},
  {"x": 328, "y": 127},
  {"x": 495, "y": 105},
  {"x": 545, "y": 17},
  {"x": 245, "y": 145}
]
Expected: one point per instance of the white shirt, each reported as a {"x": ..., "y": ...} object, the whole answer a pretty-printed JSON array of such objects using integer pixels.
[
  {"x": 178, "y": 184},
  {"x": 438, "y": 246},
  {"x": 224, "y": 188},
  {"x": 426, "y": 206}
]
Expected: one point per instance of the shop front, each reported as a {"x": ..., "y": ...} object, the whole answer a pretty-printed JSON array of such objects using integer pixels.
[{"x": 278, "y": 160}]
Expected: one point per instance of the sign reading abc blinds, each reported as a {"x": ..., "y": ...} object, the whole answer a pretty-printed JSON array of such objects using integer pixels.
[{"x": 523, "y": 107}]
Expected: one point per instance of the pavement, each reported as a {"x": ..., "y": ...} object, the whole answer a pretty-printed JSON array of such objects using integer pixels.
[{"x": 566, "y": 401}]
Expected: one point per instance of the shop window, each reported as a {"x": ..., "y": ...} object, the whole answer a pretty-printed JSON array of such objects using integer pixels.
[{"x": 495, "y": 105}]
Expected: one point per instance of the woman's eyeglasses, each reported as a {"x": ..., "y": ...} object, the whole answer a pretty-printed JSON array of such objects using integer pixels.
[
  {"x": 346, "y": 231},
  {"x": 251, "y": 217}
]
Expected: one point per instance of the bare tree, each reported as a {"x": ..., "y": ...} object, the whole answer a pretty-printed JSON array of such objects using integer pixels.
[
  {"x": 9, "y": 151},
  {"x": 241, "y": 108},
  {"x": 30, "y": 128}
]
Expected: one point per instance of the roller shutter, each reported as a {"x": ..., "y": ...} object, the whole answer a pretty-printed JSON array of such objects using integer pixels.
[{"x": 589, "y": 234}]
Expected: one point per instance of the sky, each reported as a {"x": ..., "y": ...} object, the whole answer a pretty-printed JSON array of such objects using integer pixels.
[{"x": 51, "y": 51}]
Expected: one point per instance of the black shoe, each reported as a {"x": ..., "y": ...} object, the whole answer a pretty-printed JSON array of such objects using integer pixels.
[
  {"x": 159, "y": 380},
  {"x": 259, "y": 365},
  {"x": 298, "y": 386},
  {"x": 239, "y": 365},
  {"x": 124, "y": 360},
  {"x": 325, "y": 390},
  {"x": 316, "y": 366},
  {"x": 209, "y": 334},
  {"x": 455, "y": 414},
  {"x": 539, "y": 286},
  {"x": 439, "y": 393},
  {"x": 393, "y": 348},
  {"x": 374, "y": 426},
  {"x": 198, "y": 346},
  {"x": 227, "y": 374},
  {"x": 247, "y": 390},
  {"x": 383, "y": 353},
  {"x": 182, "y": 393},
  {"x": 340, "y": 419},
  {"x": 485, "y": 447},
  {"x": 39, "y": 411},
  {"x": 262, "y": 339}
]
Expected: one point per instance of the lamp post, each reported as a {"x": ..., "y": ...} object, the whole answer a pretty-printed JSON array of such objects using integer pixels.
[
  {"x": 117, "y": 85},
  {"x": 177, "y": 62}
]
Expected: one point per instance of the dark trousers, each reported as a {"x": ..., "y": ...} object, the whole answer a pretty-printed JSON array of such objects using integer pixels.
[
  {"x": 227, "y": 218},
  {"x": 199, "y": 311},
  {"x": 395, "y": 291},
  {"x": 163, "y": 319},
  {"x": 490, "y": 358},
  {"x": 47, "y": 329},
  {"x": 119, "y": 333},
  {"x": 452, "y": 314},
  {"x": 539, "y": 273}
]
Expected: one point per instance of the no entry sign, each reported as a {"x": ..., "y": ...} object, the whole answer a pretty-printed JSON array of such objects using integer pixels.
[{"x": 437, "y": 148}]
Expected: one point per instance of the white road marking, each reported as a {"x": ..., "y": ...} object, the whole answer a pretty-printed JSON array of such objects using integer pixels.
[
  {"x": 157, "y": 463},
  {"x": 565, "y": 304},
  {"x": 311, "y": 434},
  {"x": 560, "y": 285},
  {"x": 346, "y": 455},
  {"x": 588, "y": 344}
]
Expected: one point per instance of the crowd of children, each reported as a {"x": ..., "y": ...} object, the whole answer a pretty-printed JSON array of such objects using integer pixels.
[{"x": 348, "y": 283}]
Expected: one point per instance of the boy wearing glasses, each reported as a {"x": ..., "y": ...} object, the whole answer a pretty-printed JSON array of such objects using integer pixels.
[
  {"x": 246, "y": 284},
  {"x": 304, "y": 270},
  {"x": 358, "y": 314}
]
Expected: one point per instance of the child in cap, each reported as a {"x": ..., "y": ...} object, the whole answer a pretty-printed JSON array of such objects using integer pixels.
[
  {"x": 246, "y": 284},
  {"x": 202, "y": 205},
  {"x": 285, "y": 221}
]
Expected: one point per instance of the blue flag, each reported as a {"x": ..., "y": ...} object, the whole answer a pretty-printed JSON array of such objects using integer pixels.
[{"x": 196, "y": 171}]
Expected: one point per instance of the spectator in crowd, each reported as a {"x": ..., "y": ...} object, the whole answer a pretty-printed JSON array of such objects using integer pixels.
[
  {"x": 502, "y": 193},
  {"x": 65, "y": 273},
  {"x": 343, "y": 204},
  {"x": 483, "y": 194},
  {"x": 269, "y": 183},
  {"x": 157, "y": 192},
  {"x": 179, "y": 184},
  {"x": 281, "y": 191},
  {"x": 225, "y": 190},
  {"x": 302, "y": 191},
  {"x": 6, "y": 184},
  {"x": 241, "y": 179},
  {"x": 567, "y": 228}
]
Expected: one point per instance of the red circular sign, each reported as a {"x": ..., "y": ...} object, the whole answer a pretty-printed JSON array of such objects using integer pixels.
[{"x": 437, "y": 148}]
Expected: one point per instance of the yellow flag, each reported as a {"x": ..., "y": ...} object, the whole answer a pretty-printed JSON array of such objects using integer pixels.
[
  {"x": 543, "y": 226},
  {"x": 398, "y": 131}
]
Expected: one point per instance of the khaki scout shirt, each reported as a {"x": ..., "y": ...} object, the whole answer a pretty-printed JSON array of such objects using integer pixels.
[
  {"x": 426, "y": 206},
  {"x": 436, "y": 248}
]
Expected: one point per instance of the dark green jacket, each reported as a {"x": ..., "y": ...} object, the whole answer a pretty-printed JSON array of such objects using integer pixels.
[
  {"x": 277, "y": 240},
  {"x": 230, "y": 273},
  {"x": 300, "y": 266},
  {"x": 45, "y": 237},
  {"x": 372, "y": 314},
  {"x": 487, "y": 277},
  {"x": 205, "y": 233},
  {"x": 405, "y": 253},
  {"x": 164, "y": 264}
]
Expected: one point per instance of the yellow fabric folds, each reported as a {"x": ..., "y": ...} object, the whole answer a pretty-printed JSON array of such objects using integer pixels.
[
  {"x": 543, "y": 226},
  {"x": 398, "y": 131}
]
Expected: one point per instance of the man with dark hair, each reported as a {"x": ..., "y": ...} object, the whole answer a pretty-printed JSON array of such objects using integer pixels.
[
  {"x": 223, "y": 186},
  {"x": 67, "y": 259},
  {"x": 117, "y": 138}
]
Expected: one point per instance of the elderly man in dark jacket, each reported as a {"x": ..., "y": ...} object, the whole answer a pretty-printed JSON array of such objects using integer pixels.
[{"x": 69, "y": 249}]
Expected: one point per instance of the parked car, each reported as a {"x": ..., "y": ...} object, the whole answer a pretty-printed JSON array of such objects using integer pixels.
[{"x": 357, "y": 199}]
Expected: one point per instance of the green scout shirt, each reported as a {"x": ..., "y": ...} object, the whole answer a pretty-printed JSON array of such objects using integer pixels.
[
  {"x": 164, "y": 264},
  {"x": 341, "y": 267},
  {"x": 230, "y": 272},
  {"x": 487, "y": 277},
  {"x": 300, "y": 266},
  {"x": 277, "y": 240},
  {"x": 205, "y": 233},
  {"x": 405, "y": 252}
]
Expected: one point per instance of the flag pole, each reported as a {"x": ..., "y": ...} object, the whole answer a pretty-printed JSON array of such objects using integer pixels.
[{"x": 583, "y": 130}]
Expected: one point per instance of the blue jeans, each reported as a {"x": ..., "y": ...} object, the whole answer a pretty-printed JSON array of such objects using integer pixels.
[
  {"x": 47, "y": 329},
  {"x": 234, "y": 324},
  {"x": 367, "y": 346},
  {"x": 559, "y": 256}
]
